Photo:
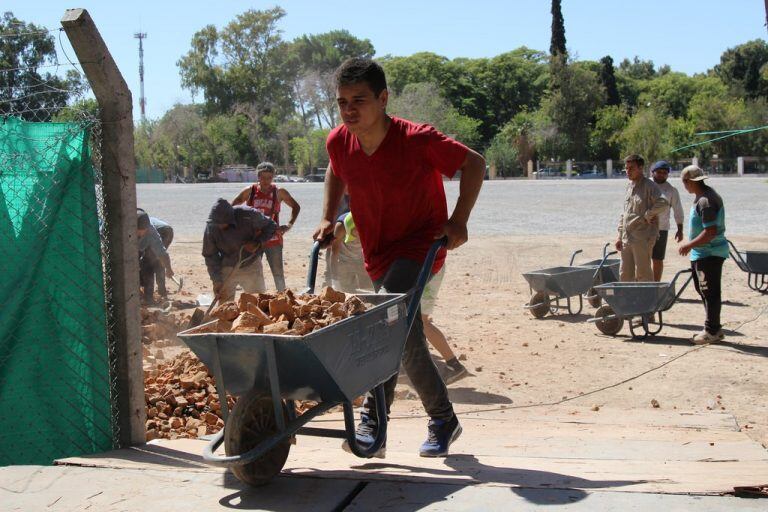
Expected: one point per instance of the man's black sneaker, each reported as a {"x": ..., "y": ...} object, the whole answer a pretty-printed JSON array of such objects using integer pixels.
[
  {"x": 441, "y": 433},
  {"x": 454, "y": 372}
]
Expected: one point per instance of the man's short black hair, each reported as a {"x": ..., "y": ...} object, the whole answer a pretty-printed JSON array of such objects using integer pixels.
[
  {"x": 356, "y": 70},
  {"x": 635, "y": 158}
]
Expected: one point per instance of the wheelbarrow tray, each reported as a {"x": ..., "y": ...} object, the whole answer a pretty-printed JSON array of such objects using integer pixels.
[
  {"x": 608, "y": 274},
  {"x": 630, "y": 299},
  {"x": 334, "y": 364},
  {"x": 561, "y": 281},
  {"x": 757, "y": 261}
]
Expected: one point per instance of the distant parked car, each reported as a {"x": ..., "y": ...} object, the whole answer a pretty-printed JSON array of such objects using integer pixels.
[
  {"x": 282, "y": 178},
  {"x": 592, "y": 174},
  {"x": 315, "y": 178},
  {"x": 548, "y": 172}
]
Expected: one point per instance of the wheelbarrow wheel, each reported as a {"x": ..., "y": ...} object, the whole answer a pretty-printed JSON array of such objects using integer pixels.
[
  {"x": 251, "y": 421},
  {"x": 594, "y": 299},
  {"x": 609, "y": 326},
  {"x": 540, "y": 304}
]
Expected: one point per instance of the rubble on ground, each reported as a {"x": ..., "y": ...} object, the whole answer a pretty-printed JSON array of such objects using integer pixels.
[{"x": 181, "y": 400}]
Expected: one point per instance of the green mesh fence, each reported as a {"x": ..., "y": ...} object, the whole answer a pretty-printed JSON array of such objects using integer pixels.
[{"x": 55, "y": 379}]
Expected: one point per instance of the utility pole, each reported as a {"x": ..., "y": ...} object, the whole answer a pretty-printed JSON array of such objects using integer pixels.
[{"x": 142, "y": 99}]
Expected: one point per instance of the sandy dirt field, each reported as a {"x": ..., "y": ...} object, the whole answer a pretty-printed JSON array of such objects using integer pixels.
[{"x": 519, "y": 361}]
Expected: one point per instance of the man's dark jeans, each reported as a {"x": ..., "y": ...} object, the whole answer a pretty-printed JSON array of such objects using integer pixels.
[
  {"x": 401, "y": 277},
  {"x": 707, "y": 276}
]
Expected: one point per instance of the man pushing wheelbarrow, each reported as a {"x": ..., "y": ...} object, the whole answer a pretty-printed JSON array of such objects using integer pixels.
[{"x": 393, "y": 171}]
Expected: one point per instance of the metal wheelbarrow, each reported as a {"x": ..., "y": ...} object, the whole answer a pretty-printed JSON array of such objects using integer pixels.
[
  {"x": 333, "y": 365},
  {"x": 755, "y": 264},
  {"x": 565, "y": 282},
  {"x": 643, "y": 300}
]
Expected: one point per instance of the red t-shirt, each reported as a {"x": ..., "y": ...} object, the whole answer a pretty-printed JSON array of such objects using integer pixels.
[{"x": 396, "y": 195}]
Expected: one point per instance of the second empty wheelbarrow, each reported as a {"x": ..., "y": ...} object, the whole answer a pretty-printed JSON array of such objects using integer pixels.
[
  {"x": 755, "y": 264},
  {"x": 646, "y": 302},
  {"x": 562, "y": 283}
]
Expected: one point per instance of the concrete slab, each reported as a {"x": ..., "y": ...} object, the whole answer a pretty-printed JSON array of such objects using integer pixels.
[
  {"x": 68, "y": 488},
  {"x": 407, "y": 497},
  {"x": 703, "y": 456}
]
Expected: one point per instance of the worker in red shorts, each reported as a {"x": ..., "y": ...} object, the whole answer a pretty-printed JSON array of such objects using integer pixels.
[{"x": 393, "y": 170}]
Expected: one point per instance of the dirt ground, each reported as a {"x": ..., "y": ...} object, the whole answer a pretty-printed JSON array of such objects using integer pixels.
[{"x": 519, "y": 361}]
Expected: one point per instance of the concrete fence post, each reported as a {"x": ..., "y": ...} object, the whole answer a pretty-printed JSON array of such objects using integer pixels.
[
  {"x": 119, "y": 189},
  {"x": 568, "y": 168},
  {"x": 740, "y": 165},
  {"x": 531, "y": 176},
  {"x": 609, "y": 168}
]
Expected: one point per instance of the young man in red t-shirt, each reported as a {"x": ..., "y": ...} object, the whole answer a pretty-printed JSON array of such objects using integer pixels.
[{"x": 393, "y": 170}]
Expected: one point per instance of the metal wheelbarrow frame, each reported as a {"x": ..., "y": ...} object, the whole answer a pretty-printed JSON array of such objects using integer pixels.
[
  {"x": 646, "y": 300},
  {"x": 569, "y": 281},
  {"x": 332, "y": 366},
  {"x": 755, "y": 264}
]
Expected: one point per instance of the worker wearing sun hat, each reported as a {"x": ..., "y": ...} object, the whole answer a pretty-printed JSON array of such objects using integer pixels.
[{"x": 708, "y": 249}]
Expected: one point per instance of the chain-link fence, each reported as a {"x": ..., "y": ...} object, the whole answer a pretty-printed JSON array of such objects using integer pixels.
[{"x": 58, "y": 388}]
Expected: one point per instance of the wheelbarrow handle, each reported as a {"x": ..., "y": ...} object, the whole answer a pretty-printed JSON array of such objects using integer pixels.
[
  {"x": 602, "y": 262},
  {"x": 314, "y": 256},
  {"x": 734, "y": 253},
  {"x": 424, "y": 274},
  {"x": 605, "y": 249},
  {"x": 573, "y": 256}
]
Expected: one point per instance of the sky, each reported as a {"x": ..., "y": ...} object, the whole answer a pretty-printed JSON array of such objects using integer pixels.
[{"x": 688, "y": 35}]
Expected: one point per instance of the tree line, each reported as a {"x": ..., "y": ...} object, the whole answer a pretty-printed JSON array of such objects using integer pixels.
[{"x": 260, "y": 97}]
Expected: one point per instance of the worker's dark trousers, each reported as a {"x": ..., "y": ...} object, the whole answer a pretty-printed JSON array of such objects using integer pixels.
[
  {"x": 707, "y": 276},
  {"x": 400, "y": 278},
  {"x": 151, "y": 269}
]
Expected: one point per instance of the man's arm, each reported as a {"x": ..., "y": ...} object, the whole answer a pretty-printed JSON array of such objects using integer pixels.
[
  {"x": 658, "y": 204},
  {"x": 677, "y": 208},
  {"x": 704, "y": 237},
  {"x": 286, "y": 197},
  {"x": 333, "y": 190},
  {"x": 472, "y": 176},
  {"x": 242, "y": 197},
  {"x": 212, "y": 256},
  {"x": 263, "y": 227}
]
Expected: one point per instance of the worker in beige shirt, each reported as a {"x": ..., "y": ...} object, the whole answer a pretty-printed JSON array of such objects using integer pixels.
[{"x": 639, "y": 222}]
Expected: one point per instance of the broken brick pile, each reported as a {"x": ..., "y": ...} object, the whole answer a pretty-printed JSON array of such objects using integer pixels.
[
  {"x": 181, "y": 400},
  {"x": 283, "y": 313}
]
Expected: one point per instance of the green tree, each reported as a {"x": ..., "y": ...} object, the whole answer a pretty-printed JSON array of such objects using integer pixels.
[
  {"x": 743, "y": 68},
  {"x": 422, "y": 103},
  {"x": 567, "y": 113},
  {"x": 605, "y": 137},
  {"x": 646, "y": 134},
  {"x": 25, "y": 90},
  {"x": 245, "y": 68},
  {"x": 608, "y": 79},
  {"x": 557, "y": 42},
  {"x": 318, "y": 57}
]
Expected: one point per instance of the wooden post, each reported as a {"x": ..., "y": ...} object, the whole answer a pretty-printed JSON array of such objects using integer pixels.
[{"x": 119, "y": 188}]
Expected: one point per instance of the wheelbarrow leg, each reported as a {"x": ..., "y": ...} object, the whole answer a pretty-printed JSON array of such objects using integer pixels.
[
  {"x": 581, "y": 306},
  {"x": 381, "y": 433}
]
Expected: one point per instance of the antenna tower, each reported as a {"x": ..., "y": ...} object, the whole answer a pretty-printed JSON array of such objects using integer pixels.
[{"x": 142, "y": 99}]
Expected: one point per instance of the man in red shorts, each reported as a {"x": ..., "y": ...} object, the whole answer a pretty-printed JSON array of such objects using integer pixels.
[{"x": 393, "y": 170}]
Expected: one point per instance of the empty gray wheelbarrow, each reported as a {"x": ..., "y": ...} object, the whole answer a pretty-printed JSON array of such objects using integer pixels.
[
  {"x": 645, "y": 301},
  {"x": 569, "y": 281},
  {"x": 755, "y": 264},
  {"x": 332, "y": 366}
]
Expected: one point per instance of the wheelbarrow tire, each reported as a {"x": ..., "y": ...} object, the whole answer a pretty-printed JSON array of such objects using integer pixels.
[
  {"x": 609, "y": 326},
  {"x": 542, "y": 299},
  {"x": 251, "y": 421},
  {"x": 594, "y": 299}
]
